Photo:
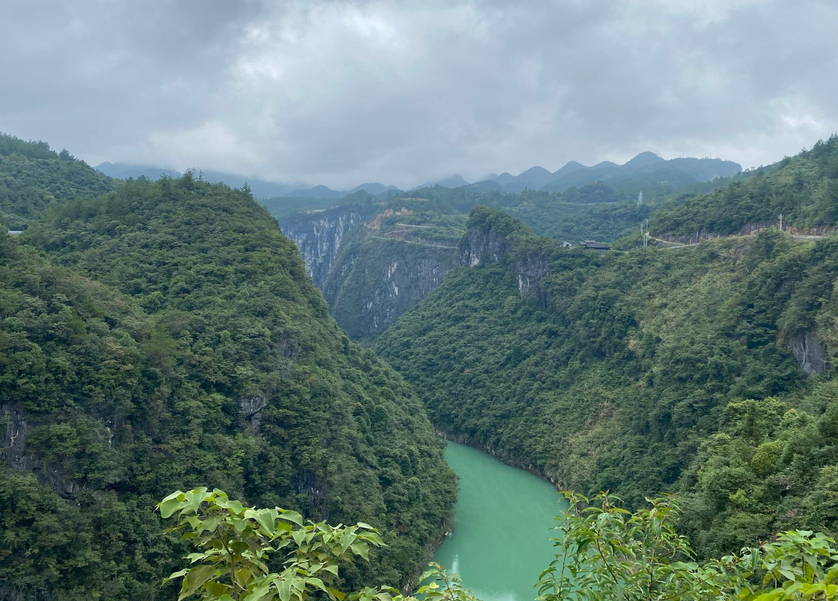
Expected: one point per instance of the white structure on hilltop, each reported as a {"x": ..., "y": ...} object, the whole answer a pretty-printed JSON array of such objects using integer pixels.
[{"x": 640, "y": 198}]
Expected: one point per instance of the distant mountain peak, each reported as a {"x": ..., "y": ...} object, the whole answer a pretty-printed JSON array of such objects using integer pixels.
[
  {"x": 643, "y": 160},
  {"x": 568, "y": 167},
  {"x": 373, "y": 188},
  {"x": 535, "y": 171},
  {"x": 454, "y": 181}
]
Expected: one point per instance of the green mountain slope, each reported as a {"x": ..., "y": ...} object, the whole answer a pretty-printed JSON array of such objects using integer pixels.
[
  {"x": 374, "y": 261},
  {"x": 612, "y": 371},
  {"x": 32, "y": 175},
  {"x": 223, "y": 369},
  {"x": 804, "y": 189}
]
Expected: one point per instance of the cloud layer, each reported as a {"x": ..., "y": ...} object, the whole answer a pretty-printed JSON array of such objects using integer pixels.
[{"x": 342, "y": 92}]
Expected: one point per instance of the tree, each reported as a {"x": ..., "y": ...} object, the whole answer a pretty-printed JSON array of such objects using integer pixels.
[
  {"x": 608, "y": 553},
  {"x": 238, "y": 546}
]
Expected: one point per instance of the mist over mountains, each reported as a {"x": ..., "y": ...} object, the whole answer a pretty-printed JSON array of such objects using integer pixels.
[{"x": 646, "y": 168}]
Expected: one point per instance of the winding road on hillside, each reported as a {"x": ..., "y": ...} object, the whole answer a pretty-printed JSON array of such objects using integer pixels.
[{"x": 671, "y": 244}]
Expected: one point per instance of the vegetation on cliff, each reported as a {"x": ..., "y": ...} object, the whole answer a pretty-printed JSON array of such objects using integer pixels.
[
  {"x": 180, "y": 342},
  {"x": 803, "y": 189},
  {"x": 617, "y": 371}
]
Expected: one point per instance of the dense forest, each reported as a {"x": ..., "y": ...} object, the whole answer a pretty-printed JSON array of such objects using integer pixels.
[
  {"x": 166, "y": 335},
  {"x": 636, "y": 372},
  {"x": 32, "y": 175},
  {"x": 803, "y": 189}
]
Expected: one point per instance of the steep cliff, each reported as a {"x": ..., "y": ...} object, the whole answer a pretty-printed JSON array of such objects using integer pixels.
[
  {"x": 494, "y": 237},
  {"x": 388, "y": 265},
  {"x": 380, "y": 279},
  {"x": 319, "y": 234}
]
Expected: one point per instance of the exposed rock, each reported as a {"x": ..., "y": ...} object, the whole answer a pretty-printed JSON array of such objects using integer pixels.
[
  {"x": 318, "y": 235},
  {"x": 483, "y": 244},
  {"x": 251, "y": 409},
  {"x": 13, "y": 440},
  {"x": 381, "y": 278},
  {"x": 811, "y": 355},
  {"x": 371, "y": 277},
  {"x": 14, "y": 431},
  {"x": 489, "y": 240}
]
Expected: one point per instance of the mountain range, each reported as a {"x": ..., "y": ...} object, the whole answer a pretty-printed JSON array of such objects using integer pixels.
[{"x": 645, "y": 170}]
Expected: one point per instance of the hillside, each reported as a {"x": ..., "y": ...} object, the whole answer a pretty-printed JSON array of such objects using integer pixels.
[
  {"x": 32, "y": 175},
  {"x": 200, "y": 355},
  {"x": 614, "y": 371},
  {"x": 803, "y": 188},
  {"x": 375, "y": 260}
]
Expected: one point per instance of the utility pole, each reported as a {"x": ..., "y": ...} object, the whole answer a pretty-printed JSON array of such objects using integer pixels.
[{"x": 781, "y": 222}]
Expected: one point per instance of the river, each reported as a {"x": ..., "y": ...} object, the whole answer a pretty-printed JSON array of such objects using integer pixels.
[{"x": 500, "y": 540}]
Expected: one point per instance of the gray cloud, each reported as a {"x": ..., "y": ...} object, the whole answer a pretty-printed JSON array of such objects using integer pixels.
[{"x": 343, "y": 92}]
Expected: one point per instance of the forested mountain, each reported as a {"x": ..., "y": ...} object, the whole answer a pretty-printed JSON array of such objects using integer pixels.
[
  {"x": 260, "y": 188},
  {"x": 803, "y": 189},
  {"x": 641, "y": 372},
  {"x": 375, "y": 259},
  {"x": 180, "y": 343},
  {"x": 32, "y": 175}
]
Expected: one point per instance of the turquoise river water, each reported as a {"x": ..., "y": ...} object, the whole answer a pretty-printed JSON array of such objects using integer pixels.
[{"x": 501, "y": 535}]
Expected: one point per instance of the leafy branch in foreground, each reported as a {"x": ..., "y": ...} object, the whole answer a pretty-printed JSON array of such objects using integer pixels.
[
  {"x": 237, "y": 544},
  {"x": 608, "y": 553}
]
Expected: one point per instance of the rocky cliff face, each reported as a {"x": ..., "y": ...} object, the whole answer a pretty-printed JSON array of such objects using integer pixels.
[
  {"x": 491, "y": 239},
  {"x": 380, "y": 279},
  {"x": 810, "y": 353},
  {"x": 319, "y": 235},
  {"x": 376, "y": 273}
]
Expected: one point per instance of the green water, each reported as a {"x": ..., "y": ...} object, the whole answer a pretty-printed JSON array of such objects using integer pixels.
[{"x": 500, "y": 540}]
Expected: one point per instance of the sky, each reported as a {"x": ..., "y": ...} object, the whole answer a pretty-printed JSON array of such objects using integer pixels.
[{"x": 339, "y": 93}]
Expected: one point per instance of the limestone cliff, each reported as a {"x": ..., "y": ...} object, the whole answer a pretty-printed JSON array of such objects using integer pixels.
[
  {"x": 379, "y": 279},
  {"x": 811, "y": 354},
  {"x": 373, "y": 263},
  {"x": 391, "y": 263},
  {"x": 318, "y": 235},
  {"x": 495, "y": 237}
]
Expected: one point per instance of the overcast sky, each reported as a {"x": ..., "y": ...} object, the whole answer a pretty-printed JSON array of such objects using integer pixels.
[{"x": 401, "y": 92}]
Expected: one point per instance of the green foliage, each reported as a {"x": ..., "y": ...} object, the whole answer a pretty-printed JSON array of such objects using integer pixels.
[
  {"x": 605, "y": 552},
  {"x": 194, "y": 350},
  {"x": 238, "y": 547},
  {"x": 804, "y": 189},
  {"x": 32, "y": 176},
  {"x": 771, "y": 468},
  {"x": 616, "y": 371},
  {"x": 236, "y": 543}
]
